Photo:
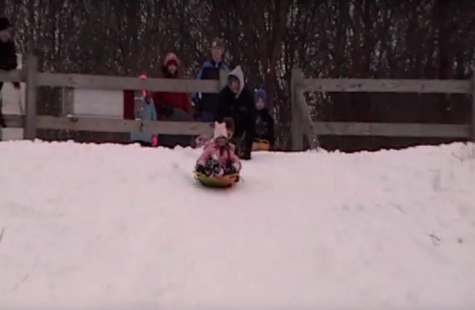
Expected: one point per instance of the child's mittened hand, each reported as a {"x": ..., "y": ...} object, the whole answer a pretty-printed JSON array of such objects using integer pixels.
[
  {"x": 245, "y": 156},
  {"x": 218, "y": 172},
  {"x": 200, "y": 169},
  {"x": 236, "y": 166}
]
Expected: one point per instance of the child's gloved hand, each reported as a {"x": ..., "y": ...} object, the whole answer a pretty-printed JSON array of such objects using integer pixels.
[
  {"x": 168, "y": 111},
  {"x": 200, "y": 169},
  {"x": 246, "y": 155},
  {"x": 165, "y": 110},
  {"x": 234, "y": 168}
]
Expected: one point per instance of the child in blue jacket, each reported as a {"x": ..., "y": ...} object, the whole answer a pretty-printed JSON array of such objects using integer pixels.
[{"x": 145, "y": 111}]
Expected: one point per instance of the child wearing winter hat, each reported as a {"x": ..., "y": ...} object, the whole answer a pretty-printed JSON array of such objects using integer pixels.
[
  {"x": 202, "y": 140},
  {"x": 264, "y": 120},
  {"x": 145, "y": 111},
  {"x": 218, "y": 157},
  {"x": 261, "y": 99}
]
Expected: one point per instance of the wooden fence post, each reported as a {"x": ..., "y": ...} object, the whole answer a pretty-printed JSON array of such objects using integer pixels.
[
  {"x": 308, "y": 127},
  {"x": 67, "y": 101},
  {"x": 29, "y": 132},
  {"x": 472, "y": 124},
  {"x": 296, "y": 124}
]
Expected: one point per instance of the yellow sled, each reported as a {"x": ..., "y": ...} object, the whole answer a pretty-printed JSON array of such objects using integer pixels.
[
  {"x": 217, "y": 182},
  {"x": 261, "y": 145}
]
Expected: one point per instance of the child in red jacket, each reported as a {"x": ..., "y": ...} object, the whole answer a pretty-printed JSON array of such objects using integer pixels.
[{"x": 165, "y": 102}]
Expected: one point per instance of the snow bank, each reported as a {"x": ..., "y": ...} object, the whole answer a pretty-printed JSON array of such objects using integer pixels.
[{"x": 90, "y": 226}]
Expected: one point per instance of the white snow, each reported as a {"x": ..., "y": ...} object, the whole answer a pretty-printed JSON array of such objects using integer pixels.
[{"x": 123, "y": 227}]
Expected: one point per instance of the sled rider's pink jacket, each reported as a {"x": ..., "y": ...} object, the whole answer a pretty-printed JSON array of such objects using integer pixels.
[{"x": 224, "y": 155}]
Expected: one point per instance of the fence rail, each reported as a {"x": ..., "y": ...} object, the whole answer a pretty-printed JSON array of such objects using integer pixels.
[
  {"x": 387, "y": 86},
  {"x": 34, "y": 79},
  {"x": 304, "y": 126},
  {"x": 110, "y": 125},
  {"x": 392, "y": 130},
  {"x": 105, "y": 82},
  {"x": 302, "y": 123}
]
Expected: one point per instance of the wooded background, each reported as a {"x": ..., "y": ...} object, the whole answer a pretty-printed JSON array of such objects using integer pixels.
[{"x": 427, "y": 39}]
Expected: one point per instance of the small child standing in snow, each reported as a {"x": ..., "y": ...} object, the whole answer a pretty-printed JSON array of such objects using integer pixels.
[
  {"x": 264, "y": 120},
  {"x": 218, "y": 157},
  {"x": 145, "y": 111}
]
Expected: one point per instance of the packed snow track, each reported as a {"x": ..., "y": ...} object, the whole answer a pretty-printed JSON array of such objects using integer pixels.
[{"x": 124, "y": 227}]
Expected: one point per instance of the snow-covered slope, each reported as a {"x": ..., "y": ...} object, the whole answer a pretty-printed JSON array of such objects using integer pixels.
[{"x": 89, "y": 227}]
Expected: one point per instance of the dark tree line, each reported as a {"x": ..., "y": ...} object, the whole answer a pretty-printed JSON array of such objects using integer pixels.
[{"x": 336, "y": 39}]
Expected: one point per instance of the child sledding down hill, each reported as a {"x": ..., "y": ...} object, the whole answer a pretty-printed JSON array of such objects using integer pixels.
[{"x": 218, "y": 158}]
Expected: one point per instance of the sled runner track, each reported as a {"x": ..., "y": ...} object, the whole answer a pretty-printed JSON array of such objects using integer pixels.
[{"x": 128, "y": 227}]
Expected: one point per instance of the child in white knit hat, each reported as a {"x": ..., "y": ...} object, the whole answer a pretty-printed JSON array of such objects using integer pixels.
[{"x": 218, "y": 157}]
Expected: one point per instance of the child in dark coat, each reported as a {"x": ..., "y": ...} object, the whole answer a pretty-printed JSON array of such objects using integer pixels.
[
  {"x": 236, "y": 101},
  {"x": 264, "y": 121}
]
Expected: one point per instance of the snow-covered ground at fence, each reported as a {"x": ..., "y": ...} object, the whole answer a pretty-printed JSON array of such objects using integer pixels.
[{"x": 123, "y": 227}]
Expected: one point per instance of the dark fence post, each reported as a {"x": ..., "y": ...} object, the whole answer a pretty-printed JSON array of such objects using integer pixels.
[{"x": 30, "y": 105}]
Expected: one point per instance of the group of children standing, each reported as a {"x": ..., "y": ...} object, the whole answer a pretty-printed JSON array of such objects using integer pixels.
[{"x": 220, "y": 155}]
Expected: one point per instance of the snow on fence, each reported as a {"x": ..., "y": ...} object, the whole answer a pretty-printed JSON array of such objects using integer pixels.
[
  {"x": 302, "y": 123},
  {"x": 304, "y": 126}
]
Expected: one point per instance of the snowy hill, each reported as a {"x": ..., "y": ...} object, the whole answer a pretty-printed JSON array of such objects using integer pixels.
[{"x": 90, "y": 226}]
